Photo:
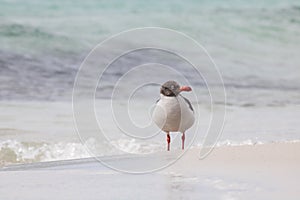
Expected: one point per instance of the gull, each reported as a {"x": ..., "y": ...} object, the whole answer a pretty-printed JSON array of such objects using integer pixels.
[{"x": 173, "y": 112}]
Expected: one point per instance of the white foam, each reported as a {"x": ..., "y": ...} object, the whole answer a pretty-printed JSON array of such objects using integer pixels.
[
  {"x": 12, "y": 151},
  {"x": 238, "y": 143},
  {"x": 132, "y": 146}
]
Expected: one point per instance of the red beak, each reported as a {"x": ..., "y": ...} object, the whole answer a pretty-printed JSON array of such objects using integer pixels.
[{"x": 185, "y": 88}]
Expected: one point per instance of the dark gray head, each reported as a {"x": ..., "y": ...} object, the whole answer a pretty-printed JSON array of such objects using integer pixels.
[{"x": 170, "y": 89}]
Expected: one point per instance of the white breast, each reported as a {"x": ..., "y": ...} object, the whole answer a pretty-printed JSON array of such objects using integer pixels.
[{"x": 173, "y": 114}]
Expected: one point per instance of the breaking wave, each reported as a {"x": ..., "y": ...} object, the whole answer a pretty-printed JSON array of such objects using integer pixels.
[{"x": 12, "y": 151}]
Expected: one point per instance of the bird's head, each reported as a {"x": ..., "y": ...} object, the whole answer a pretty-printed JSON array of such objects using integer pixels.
[{"x": 172, "y": 89}]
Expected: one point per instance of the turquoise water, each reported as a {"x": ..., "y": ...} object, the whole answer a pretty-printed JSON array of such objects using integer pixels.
[
  {"x": 255, "y": 44},
  {"x": 76, "y": 25}
]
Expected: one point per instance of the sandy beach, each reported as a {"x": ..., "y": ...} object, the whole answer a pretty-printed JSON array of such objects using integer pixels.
[{"x": 268, "y": 171}]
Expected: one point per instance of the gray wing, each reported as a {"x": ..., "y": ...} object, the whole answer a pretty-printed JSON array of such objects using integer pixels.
[
  {"x": 188, "y": 102},
  {"x": 157, "y": 100}
]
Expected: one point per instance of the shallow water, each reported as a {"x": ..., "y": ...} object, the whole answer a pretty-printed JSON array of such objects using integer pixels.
[{"x": 45, "y": 131}]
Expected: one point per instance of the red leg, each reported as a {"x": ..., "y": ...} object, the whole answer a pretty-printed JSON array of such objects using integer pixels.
[
  {"x": 168, "y": 140},
  {"x": 183, "y": 138}
]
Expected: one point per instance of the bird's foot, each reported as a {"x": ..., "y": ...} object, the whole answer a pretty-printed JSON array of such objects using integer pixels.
[
  {"x": 183, "y": 138},
  {"x": 168, "y": 141}
]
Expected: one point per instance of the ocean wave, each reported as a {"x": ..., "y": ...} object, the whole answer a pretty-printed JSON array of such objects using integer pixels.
[
  {"x": 35, "y": 38},
  {"x": 134, "y": 147},
  {"x": 237, "y": 143},
  {"x": 12, "y": 151},
  {"x": 251, "y": 142},
  {"x": 16, "y": 152},
  {"x": 19, "y": 30}
]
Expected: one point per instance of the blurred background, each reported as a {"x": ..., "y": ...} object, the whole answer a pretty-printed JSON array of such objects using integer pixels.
[{"x": 254, "y": 43}]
